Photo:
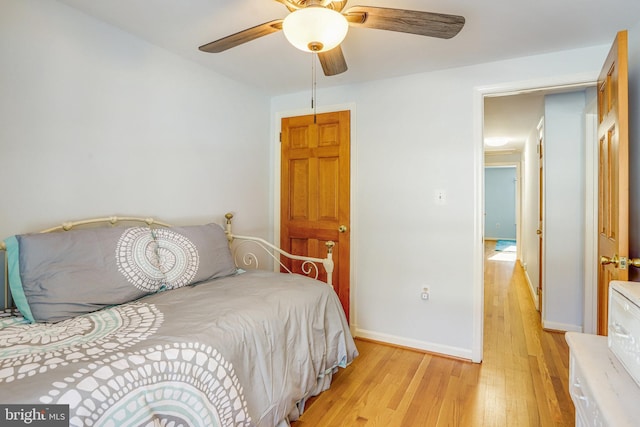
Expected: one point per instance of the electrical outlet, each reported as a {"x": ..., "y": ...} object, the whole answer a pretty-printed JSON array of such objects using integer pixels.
[{"x": 424, "y": 295}]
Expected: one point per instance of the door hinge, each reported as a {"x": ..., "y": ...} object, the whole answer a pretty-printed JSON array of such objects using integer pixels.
[{"x": 280, "y": 136}]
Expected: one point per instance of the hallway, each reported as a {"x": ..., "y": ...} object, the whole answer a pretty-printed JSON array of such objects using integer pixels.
[
  {"x": 521, "y": 382},
  {"x": 529, "y": 365}
]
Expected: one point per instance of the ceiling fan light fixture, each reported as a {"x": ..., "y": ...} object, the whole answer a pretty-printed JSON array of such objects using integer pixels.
[{"x": 315, "y": 28}]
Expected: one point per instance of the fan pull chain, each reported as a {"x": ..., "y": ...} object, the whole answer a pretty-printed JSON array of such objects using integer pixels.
[{"x": 313, "y": 85}]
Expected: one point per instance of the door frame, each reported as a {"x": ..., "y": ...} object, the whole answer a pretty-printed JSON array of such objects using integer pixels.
[
  {"x": 590, "y": 310},
  {"x": 275, "y": 186},
  {"x": 506, "y": 88},
  {"x": 540, "y": 292}
]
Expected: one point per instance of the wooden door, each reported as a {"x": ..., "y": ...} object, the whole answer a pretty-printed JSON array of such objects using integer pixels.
[
  {"x": 613, "y": 174},
  {"x": 315, "y": 191},
  {"x": 540, "y": 217}
]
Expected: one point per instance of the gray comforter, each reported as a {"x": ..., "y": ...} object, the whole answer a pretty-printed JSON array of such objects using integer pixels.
[{"x": 245, "y": 350}]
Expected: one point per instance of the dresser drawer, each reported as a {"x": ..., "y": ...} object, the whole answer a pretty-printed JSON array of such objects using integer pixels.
[
  {"x": 587, "y": 412},
  {"x": 624, "y": 325}
]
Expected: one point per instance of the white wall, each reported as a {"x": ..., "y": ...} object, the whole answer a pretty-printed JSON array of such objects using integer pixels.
[
  {"x": 412, "y": 136},
  {"x": 530, "y": 212},
  {"x": 500, "y": 202},
  {"x": 97, "y": 122},
  {"x": 564, "y": 211}
]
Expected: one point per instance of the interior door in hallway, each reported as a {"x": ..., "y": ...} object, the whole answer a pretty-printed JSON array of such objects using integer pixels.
[
  {"x": 613, "y": 174},
  {"x": 540, "y": 215},
  {"x": 315, "y": 191}
]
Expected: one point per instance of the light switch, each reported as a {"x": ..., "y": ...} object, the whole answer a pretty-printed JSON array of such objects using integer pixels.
[{"x": 441, "y": 197}]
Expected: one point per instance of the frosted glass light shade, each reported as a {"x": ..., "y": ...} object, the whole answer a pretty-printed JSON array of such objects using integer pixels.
[{"x": 315, "y": 29}]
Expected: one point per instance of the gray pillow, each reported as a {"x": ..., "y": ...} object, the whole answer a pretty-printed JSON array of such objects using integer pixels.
[
  {"x": 193, "y": 254},
  {"x": 55, "y": 276}
]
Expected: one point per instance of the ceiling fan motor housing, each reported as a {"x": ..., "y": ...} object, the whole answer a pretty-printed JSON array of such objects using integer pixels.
[{"x": 292, "y": 5}]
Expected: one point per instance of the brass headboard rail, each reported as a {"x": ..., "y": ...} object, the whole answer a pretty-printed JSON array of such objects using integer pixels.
[
  {"x": 310, "y": 265},
  {"x": 113, "y": 220}
]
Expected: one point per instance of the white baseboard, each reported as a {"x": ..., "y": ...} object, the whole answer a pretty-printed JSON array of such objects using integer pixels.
[
  {"x": 532, "y": 290},
  {"x": 461, "y": 353},
  {"x": 555, "y": 326}
]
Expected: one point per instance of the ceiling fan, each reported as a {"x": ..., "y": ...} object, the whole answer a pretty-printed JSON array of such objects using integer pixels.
[{"x": 321, "y": 25}]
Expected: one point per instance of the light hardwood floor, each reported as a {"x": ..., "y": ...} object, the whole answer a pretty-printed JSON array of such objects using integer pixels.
[{"x": 522, "y": 380}]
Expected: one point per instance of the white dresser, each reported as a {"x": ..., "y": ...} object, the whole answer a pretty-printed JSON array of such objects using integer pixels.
[{"x": 602, "y": 391}]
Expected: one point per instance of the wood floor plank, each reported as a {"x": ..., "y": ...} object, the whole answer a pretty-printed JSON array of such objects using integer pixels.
[{"x": 522, "y": 381}]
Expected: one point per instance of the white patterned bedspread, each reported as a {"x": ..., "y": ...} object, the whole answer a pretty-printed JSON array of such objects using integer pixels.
[{"x": 239, "y": 351}]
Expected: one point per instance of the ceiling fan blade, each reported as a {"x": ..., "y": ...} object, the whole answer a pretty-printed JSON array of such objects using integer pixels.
[
  {"x": 406, "y": 21},
  {"x": 241, "y": 37},
  {"x": 332, "y": 61}
]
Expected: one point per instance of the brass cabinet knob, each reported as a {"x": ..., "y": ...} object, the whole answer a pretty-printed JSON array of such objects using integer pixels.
[{"x": 342, "y": 229}]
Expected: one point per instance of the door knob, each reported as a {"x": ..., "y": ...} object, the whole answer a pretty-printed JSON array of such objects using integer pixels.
[
  {"x": 538, "y": 232},
  {"x": 342, "y": 229},
  {"x": 604, "y": 260}
]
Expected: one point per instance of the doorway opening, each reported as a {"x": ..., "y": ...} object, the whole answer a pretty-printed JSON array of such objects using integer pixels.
[{"x": 493, "y": 110}]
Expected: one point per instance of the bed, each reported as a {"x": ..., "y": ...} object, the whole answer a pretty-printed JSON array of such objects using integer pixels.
[{"x": 158, "y": 325}]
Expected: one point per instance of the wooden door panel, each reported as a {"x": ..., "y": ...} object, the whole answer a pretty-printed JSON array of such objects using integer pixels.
[
  {"x": 613, "y": 173},
  {"x": 329, "y": 184},
  {"x": 329, "y": 135},
  {"x": 604, "y": 212},
  {"x": 299, "y": 137},
  {"x": 299, "y": 181}
]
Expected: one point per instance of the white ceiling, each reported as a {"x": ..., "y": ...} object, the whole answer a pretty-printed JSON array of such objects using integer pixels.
[
  {"x": 512, "y": 117},
  {"x": 494, "y": 30}
]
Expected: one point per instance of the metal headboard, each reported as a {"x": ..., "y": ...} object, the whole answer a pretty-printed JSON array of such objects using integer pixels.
[{"x": 310, "y": 265}]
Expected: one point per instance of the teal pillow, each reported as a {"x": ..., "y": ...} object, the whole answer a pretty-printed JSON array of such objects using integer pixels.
[{"x": 15, "y": 284}]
